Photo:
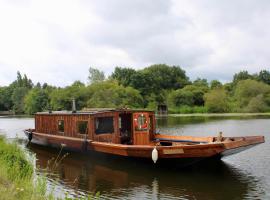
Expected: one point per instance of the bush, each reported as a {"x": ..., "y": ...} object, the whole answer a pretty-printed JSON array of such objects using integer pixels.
[
  {"x": 256, "y": 104},
  {"x": 217, "y": 101}
]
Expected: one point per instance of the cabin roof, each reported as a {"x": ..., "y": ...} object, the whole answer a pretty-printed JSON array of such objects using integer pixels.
[{"x": 92, "y": 111}]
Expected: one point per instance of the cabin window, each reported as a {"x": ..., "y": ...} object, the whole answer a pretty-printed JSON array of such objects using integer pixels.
[
  {"x": 104, "y": 125},
  {"x": 141, "y": 123},
  {"x": 61, "y": 126},
  {"x": 82, "y": 127}
]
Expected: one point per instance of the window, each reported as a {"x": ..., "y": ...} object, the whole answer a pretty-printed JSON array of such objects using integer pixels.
[
  {"x": 104, "y": 125},
  {"x": 61, "y": 126},
  {"x": 82, "y": 127}
]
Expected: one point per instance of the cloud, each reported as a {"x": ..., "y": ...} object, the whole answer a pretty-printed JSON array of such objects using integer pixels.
[{"x": 57, "y": 41}]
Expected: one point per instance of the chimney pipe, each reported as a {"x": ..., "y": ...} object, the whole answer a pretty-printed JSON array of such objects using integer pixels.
[{"x": 74, "y": 106}]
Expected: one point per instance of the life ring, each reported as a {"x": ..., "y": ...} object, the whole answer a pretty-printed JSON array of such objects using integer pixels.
[{"x": 138, "y": 125}]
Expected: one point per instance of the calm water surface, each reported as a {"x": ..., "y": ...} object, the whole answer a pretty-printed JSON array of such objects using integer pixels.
[{"x": 242, "y": 176}]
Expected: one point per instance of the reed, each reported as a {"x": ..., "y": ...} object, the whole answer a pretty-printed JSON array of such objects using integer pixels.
[{"x": 17, "y": 180}]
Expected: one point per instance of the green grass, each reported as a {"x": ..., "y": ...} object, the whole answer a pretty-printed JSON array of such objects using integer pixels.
[
  {"x": 187, "y": 109},
  {"x": 17, "y": 179}
]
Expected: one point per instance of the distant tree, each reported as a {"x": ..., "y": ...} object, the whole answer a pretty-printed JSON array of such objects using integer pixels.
[
  {"x": 95, "y": 75},
  {"x": 181, "y": 97},
  {"x": 242, "y": 75},
  {"x": 257, "y": 104},
  {"x": 156, "y": 80},
  {"x": 18, "y": 99},
  {"x": 198, "y": 93},
  {"x": 200, "y": 82},
  {"x": 19, "y": 79},
  {"x": 216, "y": 100},
  {"x": 61, "y": 98},
  {"x": 5, "y": 98},
  {"x": 248, "y": 89},
  {"x": 36, "y": 100},
  {"x": 215, "y": 84},
  {"x": 38, "y": 85},
  {"x": 123, "y": 75},
  {"x": 264, "y": 76},
  {"x": 110, "y": 94}
]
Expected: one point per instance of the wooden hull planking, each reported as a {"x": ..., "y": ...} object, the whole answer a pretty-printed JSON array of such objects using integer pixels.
[{"x": 206, "y": 148}]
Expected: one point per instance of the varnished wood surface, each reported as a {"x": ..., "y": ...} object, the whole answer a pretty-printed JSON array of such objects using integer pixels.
[
  {"x": 141, "y": 144},
  {"x": 145, "y": 151}
]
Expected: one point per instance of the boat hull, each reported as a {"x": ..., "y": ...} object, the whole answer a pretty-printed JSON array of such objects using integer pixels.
[{"x": 173, "y": 156}]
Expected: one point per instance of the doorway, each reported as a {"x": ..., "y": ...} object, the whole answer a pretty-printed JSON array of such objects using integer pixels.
[{"x": 125, "y": 127}]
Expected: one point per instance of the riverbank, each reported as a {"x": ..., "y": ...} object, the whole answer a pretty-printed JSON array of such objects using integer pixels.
[
  {"x": 17, "y": 180},
  {"x": 16, "y": 174},
  {"x": 219, "y": 114}
]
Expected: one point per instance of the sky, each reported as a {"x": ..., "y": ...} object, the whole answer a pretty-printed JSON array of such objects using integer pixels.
[{"x": 56, "y": 41}]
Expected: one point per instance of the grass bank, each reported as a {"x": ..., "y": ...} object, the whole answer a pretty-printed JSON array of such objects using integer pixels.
[
  {"x": 17, "y": 180},
  {"x": 220, "y": 114},
  {"x": 16, "y": 174}
]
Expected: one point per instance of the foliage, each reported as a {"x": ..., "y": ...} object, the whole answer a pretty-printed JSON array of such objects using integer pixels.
[
  {"x": 18, "y": 99},
  {"x": 181, "y": 97},
  {"x": 201, "y": 82},
  {"x": 217, "y": 101},
  {"x": 154, "y": 80},
  {"x": 248, "y": 89},
  {"x": 123, "y": 75},
  {"x": 188, "y": 109},
  {"x": 256, "y": 104},
  {"x": 17, "y": 180},
  {"x": 110, "y": 94},
  {"x": 264, "y": 76},
  {"x": 95, "y": 75},
  {"x": 215, "y": 84},
  {"x": 61, "y": 98},
  {"x": 242, "y": 75},
  {"x": 148, "y": 87},
  {"x": 5, "y": 98},
  {"x": 36, "y": 100}
]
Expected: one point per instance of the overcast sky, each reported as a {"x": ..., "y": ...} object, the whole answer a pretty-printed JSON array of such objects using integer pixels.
[{"x": 56, "y": 41}]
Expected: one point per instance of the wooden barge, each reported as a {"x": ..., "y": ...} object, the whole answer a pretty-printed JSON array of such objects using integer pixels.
[{"x": 129, "y": 133}]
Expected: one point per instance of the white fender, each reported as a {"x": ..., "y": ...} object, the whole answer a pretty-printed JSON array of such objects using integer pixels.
[{"x": 155, "y": 155}]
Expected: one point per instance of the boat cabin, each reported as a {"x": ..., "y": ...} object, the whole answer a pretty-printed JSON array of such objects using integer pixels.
[{"x": 118, "y": 126}]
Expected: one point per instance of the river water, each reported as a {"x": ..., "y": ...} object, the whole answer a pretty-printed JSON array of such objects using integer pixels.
[{"x": 242, "y": 176}]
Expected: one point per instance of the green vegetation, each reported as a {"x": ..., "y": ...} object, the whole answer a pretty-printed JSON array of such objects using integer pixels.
[
  {"x": 16, "y": 175},
  {"x": 144, "y": 88},
  {"x": 17, "y": 179}
]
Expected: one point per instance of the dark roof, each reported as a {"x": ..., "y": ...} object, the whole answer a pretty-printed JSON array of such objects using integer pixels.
[{"x": 92, "y": 111}]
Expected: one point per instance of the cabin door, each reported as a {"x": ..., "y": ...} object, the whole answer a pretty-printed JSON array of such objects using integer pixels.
[{"x": 141, "y": 126}]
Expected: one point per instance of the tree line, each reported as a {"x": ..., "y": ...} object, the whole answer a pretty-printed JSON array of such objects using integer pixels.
[{"x": 145, "y": 88}]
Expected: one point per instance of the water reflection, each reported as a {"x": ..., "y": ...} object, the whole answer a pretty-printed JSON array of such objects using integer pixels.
[
  {"x": 119, "y": 179},
  {"x": 242, "y": 176}
]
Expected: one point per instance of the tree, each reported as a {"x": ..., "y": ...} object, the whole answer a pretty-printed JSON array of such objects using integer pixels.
[
  {"x": 5, "y": 98},
  {"x": 264, "y": 76},
  {"x": 61, "y": 98},
  {"x": 123, "y": 75},
  {"x": 110, "y": 94},
  {"x": 198, "y": 92},
  {"x": 95, "y": 75},
  {"x": 36, "y": 100},
  {"x": 257, "y": 104},
  {"x": 18, "y": 99},
  {"x": 215, "y": 84},
  {"x": 201, "y": 82},
  {"x": 217, "y": 100},
  {"x": 240, "y": 76},
  {"x": 181, "y": 97},
  {"x": 248, "y": 89}
]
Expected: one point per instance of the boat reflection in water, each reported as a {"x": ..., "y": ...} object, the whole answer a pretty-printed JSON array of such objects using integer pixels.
[{"x": 117, "y": 179}]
